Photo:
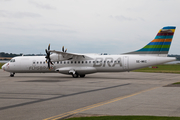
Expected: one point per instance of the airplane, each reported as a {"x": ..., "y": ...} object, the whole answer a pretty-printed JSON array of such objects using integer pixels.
[{"x": 78, "y": 65}]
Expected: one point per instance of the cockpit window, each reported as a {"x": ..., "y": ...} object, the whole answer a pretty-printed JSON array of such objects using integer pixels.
[{"x": 12, "y": 60}]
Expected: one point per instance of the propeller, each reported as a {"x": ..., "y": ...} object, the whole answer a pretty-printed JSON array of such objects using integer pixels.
[
  {"x": 48, "y": 59},
  {"x": 63, "y": 49}
]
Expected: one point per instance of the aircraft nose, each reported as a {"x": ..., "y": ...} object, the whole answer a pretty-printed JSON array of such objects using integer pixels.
[{"x": 3, "y": 67}]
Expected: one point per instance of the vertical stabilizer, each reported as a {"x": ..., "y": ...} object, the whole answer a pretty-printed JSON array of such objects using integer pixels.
[{"x": 160, "y": 45}]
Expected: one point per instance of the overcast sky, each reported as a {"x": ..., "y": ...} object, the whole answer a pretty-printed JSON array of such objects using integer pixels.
[{"x": 85, "y": 26}]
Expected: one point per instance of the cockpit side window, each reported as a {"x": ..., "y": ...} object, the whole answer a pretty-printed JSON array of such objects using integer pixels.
[{"x": 12, "y": 60}]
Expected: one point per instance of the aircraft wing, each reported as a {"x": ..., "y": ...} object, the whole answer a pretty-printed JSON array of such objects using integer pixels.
[{"x": 69, "y": 56}]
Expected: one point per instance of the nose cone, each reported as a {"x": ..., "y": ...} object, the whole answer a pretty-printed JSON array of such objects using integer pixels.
[{"x": 3, "y": 67}]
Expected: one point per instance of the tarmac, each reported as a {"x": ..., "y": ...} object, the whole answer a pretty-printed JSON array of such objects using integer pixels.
[{"x": 34, "y": 96}]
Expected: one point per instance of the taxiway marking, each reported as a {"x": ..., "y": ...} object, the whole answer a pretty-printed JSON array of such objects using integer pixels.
[{"x": 63, "y": 115}]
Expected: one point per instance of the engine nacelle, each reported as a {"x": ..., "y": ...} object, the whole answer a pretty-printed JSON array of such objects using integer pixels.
[{"x": 57, "y": 57}]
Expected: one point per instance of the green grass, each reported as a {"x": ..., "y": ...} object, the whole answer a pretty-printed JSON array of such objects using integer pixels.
[
  {"x": 177, "y": 83},
  {"x": 165, "y": 68},
  {"x": 125, "y": 118},
  {"x": 1, "y": 64}
]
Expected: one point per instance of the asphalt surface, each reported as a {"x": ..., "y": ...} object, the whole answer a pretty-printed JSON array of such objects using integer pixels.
[{"x": 55, "y": 96}]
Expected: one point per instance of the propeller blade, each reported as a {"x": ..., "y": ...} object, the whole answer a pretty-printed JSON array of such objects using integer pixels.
[
  {"x": 48, "y": 65},
  {"x": 63, "y": 48},
  {"x": 66, "y": 50},
  {"x": 48, "y": 59},
  {"x": 49, "y": 47}
]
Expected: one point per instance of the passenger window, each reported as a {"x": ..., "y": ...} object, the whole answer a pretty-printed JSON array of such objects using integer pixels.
[
  {"x": 64, "y": 62},
  {"x": 79, "y": 62},
  {"x": 93, "y": 61},
  {"x": 97, "y": 61},
  {"x": 43, "y": 62},
  {"x": 71, "y": 62},
  {"x": 82, "y": 62},
  {"x": 33, "y": 62},
  {"x": 57, "y": 62},
  {"x": 86, "y": 62},
  {"x": 104, "y": 61},
  {"x": 68, "y": 62},
  {"x": 74, "y": 62},
  {"x": 40, "y": 62},
  {"x": 37, "y": 62},
  {"x": 61, "y": 62},
  {"x": 89, "y": 61}
]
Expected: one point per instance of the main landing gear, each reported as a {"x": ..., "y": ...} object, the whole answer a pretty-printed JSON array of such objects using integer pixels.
[
  {"x": 82, "y": 76},
  {"x": 76, "y": 75},
  {"x": 12, "y": 74}
]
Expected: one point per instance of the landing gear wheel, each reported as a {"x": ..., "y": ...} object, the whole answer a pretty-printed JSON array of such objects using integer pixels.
[
  {"x": 82, "y": 76},
  {"x": 75, "y": 75},
  {"x": 12, "y": 74}
]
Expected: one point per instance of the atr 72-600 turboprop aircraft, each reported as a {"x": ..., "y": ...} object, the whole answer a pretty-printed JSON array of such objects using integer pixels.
[{"x": 81, "y": 64}]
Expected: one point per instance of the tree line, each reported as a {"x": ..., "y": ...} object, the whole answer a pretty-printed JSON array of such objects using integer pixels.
[
  {"x": 10, "y": 55},
  {"x": 3, "y": 54},
  {"x": 177, "y": 56}
]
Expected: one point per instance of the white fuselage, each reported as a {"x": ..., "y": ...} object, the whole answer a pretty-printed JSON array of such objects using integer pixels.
[{"x": 98, "y": 63}]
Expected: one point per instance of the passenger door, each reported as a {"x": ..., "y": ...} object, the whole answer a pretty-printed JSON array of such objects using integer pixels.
[{"x": 126, "y": 62}]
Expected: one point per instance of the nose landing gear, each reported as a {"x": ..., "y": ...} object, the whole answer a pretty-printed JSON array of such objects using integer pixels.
[{"x": 12, "y": 74}]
